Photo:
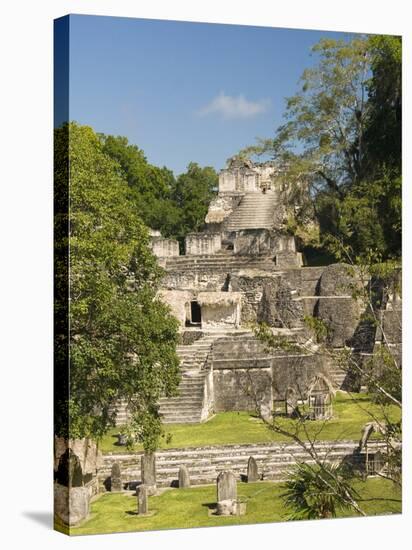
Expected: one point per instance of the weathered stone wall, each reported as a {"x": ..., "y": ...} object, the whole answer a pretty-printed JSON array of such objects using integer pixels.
[
  {"x": 195, "y": 280},
  {"x": 242, "y": 389},
  {"x": 202, "y": 243},
  {"x": 243, "y": 364},
  {"x": 296, "y": 371},
  {"x": 76, "y": 466},
  {"x": 232, "y": 349},
  {"x": 280, "y": 306},
  {"x": 221, "y": 207},
  {"x": 242, "y": 374},
  {"x": 273, "y": 296},
  {"x": 85, "y": 450},
  {"x": 243, "y": 175},
  {"x": 255, "y": 242},
  {"x": 219, "y": 308},
  {"x": 287, "y": 259},
  {"x": 336, "y": 306},
  {"x": 305, "y": 280},
  {"x": 204, "y": 464},
  {"x": 218, "y": 315},
  {"x": 163, "y": 248},
  {"x": 227, "y": 181},
  {"x": 251, "y": 285},
  {"x": 391, "y": 320},
  {"x": 342, "y": 317},
  {"x": 390, "y": 330},
  {"x": 178, "y": 301}
]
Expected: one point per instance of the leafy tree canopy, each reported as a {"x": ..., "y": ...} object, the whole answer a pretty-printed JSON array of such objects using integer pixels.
[
  {"x": 383, "y": 131},
  {"x": 175, "y": 206},
  {"x": 342, "y": 139},
  {"x": 192, "y": 194},
  {"x": 122, "y": 338},
  {"x": 150, "y": 187}
]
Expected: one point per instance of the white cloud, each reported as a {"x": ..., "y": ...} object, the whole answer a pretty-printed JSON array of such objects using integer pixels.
[{"x": 235, "y": 107}]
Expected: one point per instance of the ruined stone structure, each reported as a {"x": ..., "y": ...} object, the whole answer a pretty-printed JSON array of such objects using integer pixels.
[
  {"x": 242, "y": 269},
  {"x": 274, "y": 461},
  {"x": 76, "y": 466}
]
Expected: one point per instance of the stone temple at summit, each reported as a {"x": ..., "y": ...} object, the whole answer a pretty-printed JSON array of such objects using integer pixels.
[{"x": 242, "y": 269}]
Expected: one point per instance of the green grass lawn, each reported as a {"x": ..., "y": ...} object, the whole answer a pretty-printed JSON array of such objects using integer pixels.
[
  {"x": 350, "y": 415},
  {"x": 182, "y": 508}
]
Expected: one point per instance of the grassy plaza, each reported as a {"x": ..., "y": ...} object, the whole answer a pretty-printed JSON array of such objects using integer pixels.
[
  {"x": 351, "y": 413},
  {"x": 193, "y": 507}
]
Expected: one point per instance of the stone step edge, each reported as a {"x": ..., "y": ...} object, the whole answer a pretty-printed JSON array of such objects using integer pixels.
[{"x": 246, "y": 447}]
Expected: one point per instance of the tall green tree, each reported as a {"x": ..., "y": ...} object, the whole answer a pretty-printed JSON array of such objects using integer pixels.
[
  {"x": 368, "y": 215},
  {"x": 322, "y": 138},
  {"x": 150, "y": 187},
  {"x": 175, "y": 206},
  {"x": 342, "y": 140},
  {"x": 122, "y": 339},
  {"x": 384, "y": 124},
  {"x": 192, "y": 194}
]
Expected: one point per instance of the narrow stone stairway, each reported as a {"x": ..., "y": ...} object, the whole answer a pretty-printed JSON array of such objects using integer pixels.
[
  {"x": 338, "y": 377},
  {"x": 187, "y": 407}
]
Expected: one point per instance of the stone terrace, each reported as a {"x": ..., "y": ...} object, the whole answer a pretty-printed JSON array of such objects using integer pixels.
[{"x": 204, "y": 463}]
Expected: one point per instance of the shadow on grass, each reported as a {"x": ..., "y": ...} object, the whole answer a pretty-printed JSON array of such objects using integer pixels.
[
  {"x": 209, "y": 505},
  {"x": 136, "y": 514}
]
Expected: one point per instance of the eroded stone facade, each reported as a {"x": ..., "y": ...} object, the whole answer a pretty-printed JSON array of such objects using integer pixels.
[{"x": 243, "y": 269}]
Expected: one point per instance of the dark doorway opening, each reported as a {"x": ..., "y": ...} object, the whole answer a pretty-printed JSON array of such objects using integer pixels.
[{"x": 195, "y": 313}]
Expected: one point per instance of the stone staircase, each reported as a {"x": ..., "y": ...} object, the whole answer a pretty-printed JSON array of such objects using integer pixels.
[
  {"x": 204, "y": 463},
  {"x": 121, "y": 414},
  {"x": 338, "y": 377},
  {"x": 255, "y": 211},
  {"x": 188, "y": 406},
  {"x": 218, "y": 262}
]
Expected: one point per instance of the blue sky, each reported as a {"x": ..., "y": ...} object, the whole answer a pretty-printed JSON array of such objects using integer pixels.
[{"x": 184, "y": 91}]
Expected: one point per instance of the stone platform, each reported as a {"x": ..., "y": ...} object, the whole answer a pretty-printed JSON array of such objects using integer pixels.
[{"x": 205, "y": 463}]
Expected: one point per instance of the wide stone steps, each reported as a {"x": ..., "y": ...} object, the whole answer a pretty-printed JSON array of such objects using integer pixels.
[
  {"x": 190, "y": 380},
  {"x": 255, "y": 211},
  {"x": 183, "y": 418},
  {"x": 122, "y": 414},
  {"x": 186, "y": 407},
  {"x": 274, "y": 460},
  {"x": 187, "y": 389},
  {"x": 121, "y": 417},
  {"x": 217, "y": 262}
]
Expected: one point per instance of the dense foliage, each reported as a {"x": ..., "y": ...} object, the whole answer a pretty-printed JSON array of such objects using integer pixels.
[
  {"x": 175, "y": 206},
  {"x": 342, "y": 137},
  {"x": 314, "y": 492},
  {"x": 150, "y": 188},
  {"x": 192, "y": 194},
  {"x": 122, "y": 339}
]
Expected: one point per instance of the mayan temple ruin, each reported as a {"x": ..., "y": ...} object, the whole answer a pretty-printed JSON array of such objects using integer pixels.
[
  {"x": 242, "y": 269},
  {"x": 227, "y": 296}
]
